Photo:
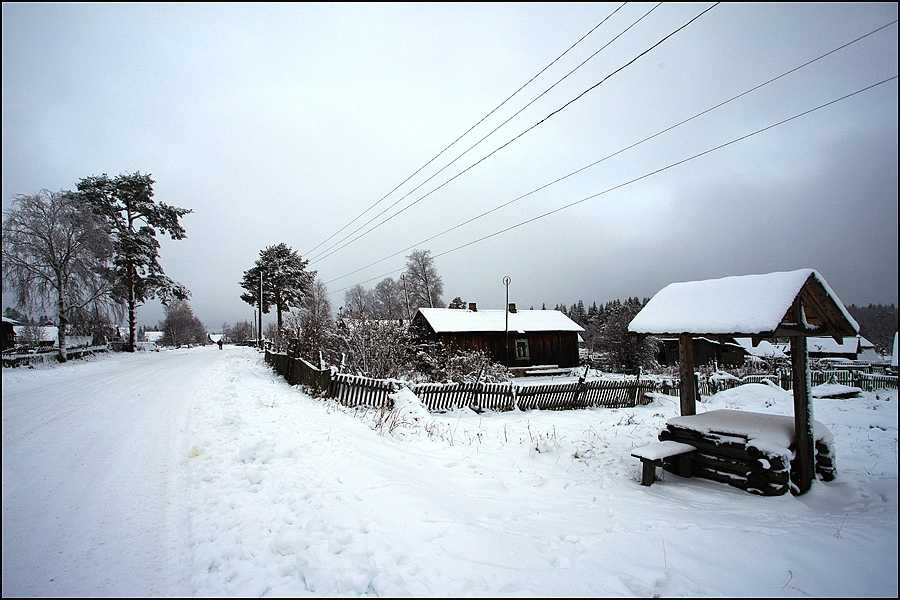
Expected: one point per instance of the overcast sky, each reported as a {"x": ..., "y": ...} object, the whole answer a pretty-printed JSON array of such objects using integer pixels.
[{"x": 283, "y": 123}]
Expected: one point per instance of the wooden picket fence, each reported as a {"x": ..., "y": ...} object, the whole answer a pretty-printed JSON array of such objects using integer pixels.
[
  {"x": 441, "y": 397},
  {"x": 868, "y": 382},
  {"x": 16, "y": 360},
  {"x": 618, "y": 393},
  {"x": 355, "y": 390}
]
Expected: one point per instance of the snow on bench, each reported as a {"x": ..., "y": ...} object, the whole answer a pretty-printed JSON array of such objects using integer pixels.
[{"x": 652, "y": 456}]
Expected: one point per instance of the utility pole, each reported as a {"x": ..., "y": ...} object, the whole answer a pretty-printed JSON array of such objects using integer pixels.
[
  {"x": 262, "y": 344},
  {"x": 406, "y": 293},
  {"x": 506, "y": 282}
]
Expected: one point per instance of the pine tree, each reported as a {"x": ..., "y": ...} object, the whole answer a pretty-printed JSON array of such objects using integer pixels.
[
  {"x": 285, "y": 280},
  {"x": 457, "y": 303},
  {"x": 132, "y": 219}
]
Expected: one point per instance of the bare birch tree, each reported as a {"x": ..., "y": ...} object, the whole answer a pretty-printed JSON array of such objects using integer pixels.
[
  {"x": 56, "y": 255},
  {"x": 424, "y": 285}
]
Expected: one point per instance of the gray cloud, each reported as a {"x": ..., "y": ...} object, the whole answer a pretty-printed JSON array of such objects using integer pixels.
[{"x": 280, "y": 123}]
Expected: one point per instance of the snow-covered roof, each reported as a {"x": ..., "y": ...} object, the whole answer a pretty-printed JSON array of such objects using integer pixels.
[
  {"x": 773, "y": 434},
  {"x": 153, "y": 336},
  {"x": 455, "y": 320},
  {"x": 765, "y": 348},
  {"x": 743, "y": 305},
  {"x": 50, "y": 332},
  {"x": 824, "y": 345}
]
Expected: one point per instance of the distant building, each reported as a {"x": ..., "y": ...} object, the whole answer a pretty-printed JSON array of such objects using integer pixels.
[
  {"x": 856, "y": 348},
  {"x": 48, "y": 334},
  {"x": 724, "y": 353},
  {"x": 535, "y": 337},
  {"x": 894, "y": 355},
  {"x": 9, "y": 333},
  {"x": 763, "y": 350}
]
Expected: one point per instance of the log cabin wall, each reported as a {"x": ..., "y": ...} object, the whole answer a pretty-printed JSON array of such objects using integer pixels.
[{"x": 544, "y": 347}]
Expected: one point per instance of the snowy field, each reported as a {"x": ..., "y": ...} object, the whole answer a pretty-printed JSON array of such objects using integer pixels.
[{"x": 200, "y": 472}]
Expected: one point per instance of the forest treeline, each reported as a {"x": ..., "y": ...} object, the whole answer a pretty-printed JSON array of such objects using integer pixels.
[{"x": 877, "y": 323}]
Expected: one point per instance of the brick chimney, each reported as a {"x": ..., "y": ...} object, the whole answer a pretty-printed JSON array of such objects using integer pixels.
[
  {"x": 512, "y": 307},
  {"x": 473, "y": 307}
]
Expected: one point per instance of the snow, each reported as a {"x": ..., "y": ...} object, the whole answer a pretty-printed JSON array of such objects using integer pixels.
[
  {"x": 773, "y": 434},
  {"x": 834, "y": 390},
  {"x": 453, "y": 320},
  {"x": 745, "y": 304},
  {"x": 765, "y": 348},
  {"x": 661, "y": 450},
  {"x": 200, "y": 472},
  {"x": 849, "y": 346},
  {"x": 153, "y": 336}
]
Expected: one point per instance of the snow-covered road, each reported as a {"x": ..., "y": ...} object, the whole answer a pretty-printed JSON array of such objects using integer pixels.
[
  {"x": 201, "y": 472},
  {"x": 91, "y": 501}
]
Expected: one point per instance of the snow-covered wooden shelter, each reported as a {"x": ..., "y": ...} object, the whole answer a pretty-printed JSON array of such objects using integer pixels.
[{"x": 795, "y": 304}]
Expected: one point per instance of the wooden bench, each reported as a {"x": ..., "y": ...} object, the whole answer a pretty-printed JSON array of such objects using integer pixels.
[
  {"x": 537, "y": 370},
  {"x": 652, "y": 456}
]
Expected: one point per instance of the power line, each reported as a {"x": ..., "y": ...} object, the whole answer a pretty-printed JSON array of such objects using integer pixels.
[
  {"x": 553, "y": 113},
  {"x": 646, "y": 139},
  {"x": 327, "y": 252},
  {"x": 495, "y": 109},
  {"x": 645, "y": 176}
]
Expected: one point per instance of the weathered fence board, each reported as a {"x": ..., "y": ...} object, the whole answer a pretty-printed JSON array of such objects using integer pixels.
[{"x": 355, "y": 390}]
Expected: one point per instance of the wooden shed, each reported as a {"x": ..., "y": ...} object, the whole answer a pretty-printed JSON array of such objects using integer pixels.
[
  {"x": 9, "y": 333},
  {"x": 795, "y": 304},
  {"x": 516, "y": 338},
  {"x": 727, "y": 352}
]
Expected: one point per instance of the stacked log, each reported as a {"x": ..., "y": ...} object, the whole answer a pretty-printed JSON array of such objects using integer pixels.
[
  {"x": 734, "y": 459},
  {"x": 730, "y": 459},
  {"x": 825, "y": 467}
]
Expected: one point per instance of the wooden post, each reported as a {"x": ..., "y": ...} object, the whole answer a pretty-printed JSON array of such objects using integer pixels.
[
  {"x": 803, "y": 419},
  {"x": 688, "y": 399}
]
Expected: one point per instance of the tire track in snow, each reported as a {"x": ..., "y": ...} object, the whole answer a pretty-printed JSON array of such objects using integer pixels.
[{"x": 92, "y": 504}]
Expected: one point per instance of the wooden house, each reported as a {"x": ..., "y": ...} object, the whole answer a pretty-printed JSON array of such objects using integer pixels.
[
  {"x": 854, "y": 348},
  {"x": 516, "y": 338},
  {"x": 9, "y": 333}
]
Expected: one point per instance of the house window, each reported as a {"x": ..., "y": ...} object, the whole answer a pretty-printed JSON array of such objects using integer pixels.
[{"x": 521, "y": 349}]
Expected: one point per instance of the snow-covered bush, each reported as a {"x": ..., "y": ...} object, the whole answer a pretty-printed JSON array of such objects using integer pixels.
[{"x": 438, "y": 363}]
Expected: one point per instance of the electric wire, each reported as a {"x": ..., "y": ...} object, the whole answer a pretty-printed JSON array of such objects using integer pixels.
[
  {"x": 597, "y": 162},
  {"x": 325, "y": 253},
  {"x": 640, "y": 178},
  {"x": 495, "y": 109},
  {"x": 553, "y": 113}
]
